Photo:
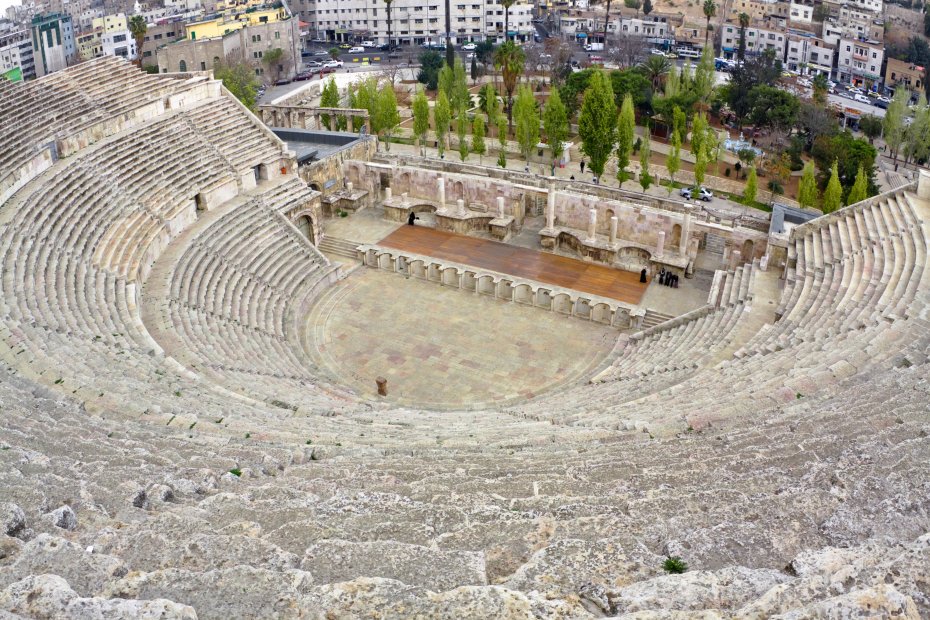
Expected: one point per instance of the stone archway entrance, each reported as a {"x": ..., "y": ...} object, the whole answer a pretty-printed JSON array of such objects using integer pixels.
[{"x": 305, "y": 226}]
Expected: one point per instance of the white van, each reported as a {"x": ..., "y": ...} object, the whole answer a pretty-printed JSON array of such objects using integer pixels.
[
  {"x": 369, "y": 44},
  {"x": 688, "y": 52}
]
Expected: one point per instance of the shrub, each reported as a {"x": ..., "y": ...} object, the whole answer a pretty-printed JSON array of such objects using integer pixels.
[
  {"x": 236, "y": 472},
  {"x": 674, "y": 565}
]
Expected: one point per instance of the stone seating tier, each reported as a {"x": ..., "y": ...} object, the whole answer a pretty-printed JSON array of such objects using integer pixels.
[{"x": 212, "y": 472}]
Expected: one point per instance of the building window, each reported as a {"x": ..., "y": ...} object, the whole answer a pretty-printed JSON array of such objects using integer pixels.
[
  {"x": 203, "y": 66},
  {"x": 182, "y": 66},
  {"x": 277, "y": 35}
]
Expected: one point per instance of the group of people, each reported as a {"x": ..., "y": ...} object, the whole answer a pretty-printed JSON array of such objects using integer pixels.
[{"x": 667, "y": 278}]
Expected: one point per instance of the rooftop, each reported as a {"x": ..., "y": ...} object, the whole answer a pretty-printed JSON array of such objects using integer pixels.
[{"x": 312, "y": 145}]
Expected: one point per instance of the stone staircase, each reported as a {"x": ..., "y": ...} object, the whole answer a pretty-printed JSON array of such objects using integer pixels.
[
  {"x": 339, "y": 247},
  {"x": 653, "y": 318}
]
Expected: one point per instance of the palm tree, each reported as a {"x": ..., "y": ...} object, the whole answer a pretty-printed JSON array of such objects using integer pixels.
[
  {"x": 606, "y": 21},
  {"x": 509, "y": 59},
  {"x": 138, "y": 28},
  {"x": 655, "y": 67},
  {"x": 710, "y": 9},
  {"x": 743, "y": 24},
  {"x": 507, "y": 4}
]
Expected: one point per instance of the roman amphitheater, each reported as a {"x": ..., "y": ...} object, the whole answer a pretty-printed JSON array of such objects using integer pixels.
[{"x": 198, "y": 304}]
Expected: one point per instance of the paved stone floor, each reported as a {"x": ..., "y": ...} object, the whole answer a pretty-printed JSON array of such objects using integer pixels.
[
  {"x": 690, "y": 294},
  {"x": 445, "y": 348}
]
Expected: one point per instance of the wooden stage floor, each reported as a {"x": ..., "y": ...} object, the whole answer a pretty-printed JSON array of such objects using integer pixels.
[{"x": 522, "y": 262}]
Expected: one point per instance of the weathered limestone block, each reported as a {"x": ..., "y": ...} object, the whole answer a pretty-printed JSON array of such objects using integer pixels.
[
  {"x": 87, "y": 572},
  {"x": 725, "y": 589},
  {"x": 63, "y": 517},
  {"x": 12, "y": 519},
  {"x": 240, "y": 592},
  {"x": 340, "y": 560},
  {"x": 50, "y": 597}
]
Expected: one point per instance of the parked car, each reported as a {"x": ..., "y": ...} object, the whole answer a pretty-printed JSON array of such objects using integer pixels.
[
  {"x": 303, "y": 76},
  {"x": 314, "y": 64},
  {"x": 469, "y": 47},
  {"x": 861, "y": 98},
  {"x": 596, "y": 58},
  {"x": 324, "y": 70},
  {"x": 321, "y": 53},
  {"x": 879, "y": 103},
  {"x": 356, "y": 50},
  {"x": 283, "y": 82},
  {"x": 701, "y": 193},
  {"x": 344, "y": 46},
  {"x": 333, "y": 64},
  {"x": 656, "y": 52}
]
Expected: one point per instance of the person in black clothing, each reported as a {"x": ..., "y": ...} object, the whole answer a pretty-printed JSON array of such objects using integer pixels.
[
  {"x": 582, "y": 166},
  {"x": 411, "y": 218},
  {"x": 642, "y": 275}
]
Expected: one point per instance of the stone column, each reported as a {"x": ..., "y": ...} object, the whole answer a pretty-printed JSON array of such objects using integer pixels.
[
  {"x": 735, "y": 256},
  {"x": 387, "y": 193},
  {"x": 442, "y": 192},
  {"x": 685, "y": 234},
  {"x": 660, "y": 243},
  {"x": 613, "y": 229},
  {"x": 460, "y": 206},
  {"x": 592, "y": 224},
  {"x": 923, "y": 185},
  {"x": 550, "y": 207},
  {"x": 404, "y": 199},
  {"x": 500, "y": 206}
]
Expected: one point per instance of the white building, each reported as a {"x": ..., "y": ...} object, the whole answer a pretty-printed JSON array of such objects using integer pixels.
[
  {"x": 800, "y": 13},
  {"x": 757, "y": 41},
  {"x": 859, "y": 62},
  {"x": 655, "y": 28},
  {"x": 414, "y": 21},
  {"x": 808, "y": 54},
  {"x": 119, "y": 43},
  {"x": 53, "y": 44},
  {"x": 16, "y": 52}
]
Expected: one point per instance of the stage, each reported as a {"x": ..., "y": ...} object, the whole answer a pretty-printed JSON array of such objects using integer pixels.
[{"x": 520, "y": 262}]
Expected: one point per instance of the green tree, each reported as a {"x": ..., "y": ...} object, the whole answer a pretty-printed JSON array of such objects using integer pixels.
[
  {"x": 430, "y": 64},
  {"x": 871, "y": 126},
  {"x": 329, "y": 98},
  {"x": 710, "y": 10},
  {"x": 442, "y": 115},
  {"x": 239, "y": 79},
  {"x": 526, "y": 119},
  {"x": 461, "y": 130},
  {"x": 507, "y": 4},
  {"x": 555, "y": 122},
  {"x": 502, "y": 131},
  {"x": 626, "y": 129},
  {"x": 859, "y": 190},
  {"x": 645, "y": 154},
  {"x": 272, "y": 60},
  {"x": 453, "y": 81},
  {"x": 743, "y": 24},
  {"x": 698, "y": 132},
  {"x": 334, "y": 53},
  {"x": 673, "y": 159},
  {"x": 679, "y": 121},
  {"x": 597, "y": 124},
  {"x": 820, "y": 87},
  {"x": 894, "y": 126},
  {"x": 420, "y": 117},
  {"x": 700, "y": 166},
  {"x": 477, "y": 136},
  {"x": 773, "y": 107},
  {"x": 833, "y": 195},
  {"x": 647, "y": 7},
  {"x": 502, "y": 160},
  {"x": 918, "y": 134},
  {"x": 509, "y": 59},
  {"x": 752, "y": 187},
  {"x": 655, "y": 68},
  {"x": 474, "y": 69},
  {"x": 487, "y": 98},
  {"x": 807, "y": 190},
  {"x": 851, "y": 152},
  {"x": 704, "y": 76},
  {"x": 138, "y": 28},
  {"x": 386, "y": 113}
]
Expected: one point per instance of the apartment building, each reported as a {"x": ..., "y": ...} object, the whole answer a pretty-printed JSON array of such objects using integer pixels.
[
  {"x": 16, "y": 53},
  {"x": 757, "y": 40},
  {"x": 859, "y": 62},
  {"x": 53, "y": 44},
  {"x": 808, "y": 54},
  {"x": 416, "y": 21}
]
